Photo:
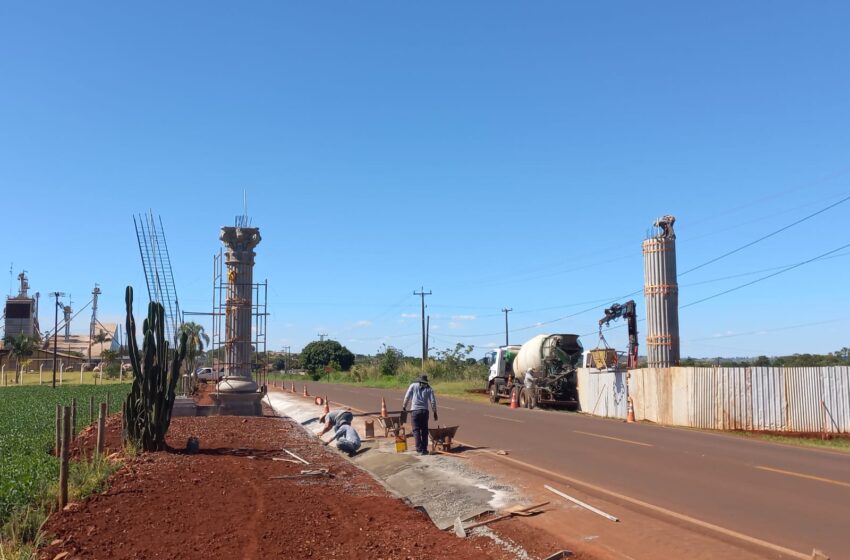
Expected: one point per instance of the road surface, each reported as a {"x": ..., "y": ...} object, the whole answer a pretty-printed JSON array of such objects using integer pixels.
[{"x": 794, "y": 497}]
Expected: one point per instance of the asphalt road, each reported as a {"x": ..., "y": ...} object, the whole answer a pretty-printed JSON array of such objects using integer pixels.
[{"x": 798, "y": 498}]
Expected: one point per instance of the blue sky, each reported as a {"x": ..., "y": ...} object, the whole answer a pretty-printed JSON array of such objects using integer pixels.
[{"x": 498, "y": 154}]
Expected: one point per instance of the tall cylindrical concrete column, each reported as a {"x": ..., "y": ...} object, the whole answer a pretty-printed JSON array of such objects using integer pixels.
[
  {"x": 238, "y": 392},
  {"x": 661, "y": 290}
]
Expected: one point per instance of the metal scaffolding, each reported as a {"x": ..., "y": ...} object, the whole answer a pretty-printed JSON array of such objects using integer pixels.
[
  {"x": 258, "y": 363},
  {"x": 157, "y": 266}
]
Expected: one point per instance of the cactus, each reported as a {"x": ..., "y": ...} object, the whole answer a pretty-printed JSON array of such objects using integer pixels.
[{"x": 147, "y": 410}]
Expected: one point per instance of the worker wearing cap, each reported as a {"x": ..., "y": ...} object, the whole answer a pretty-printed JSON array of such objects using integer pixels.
[
  {"x": 529, "y": 383},
  {"x": 334, "y": 419},
  {"x": 419, "y": 395}
]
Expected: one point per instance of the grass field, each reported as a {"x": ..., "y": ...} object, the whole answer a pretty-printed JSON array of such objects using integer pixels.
[
  {"x": 457, "y": 389},
  {"x": 69, "y": 377},
  {"x": 27, "y": 432}
]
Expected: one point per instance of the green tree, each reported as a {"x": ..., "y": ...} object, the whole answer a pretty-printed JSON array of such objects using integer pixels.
[
  {"x": 21, "y": 346},
  {"x": 389, "y": 361},
  {"x": 107, "y": 358},
  {"x": 762, "y": 361},
  {"x": 321, "y": 354},
  {"x": 196, "y": 340}
]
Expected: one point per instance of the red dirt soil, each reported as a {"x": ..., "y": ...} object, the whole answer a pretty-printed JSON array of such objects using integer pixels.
[{"x": 221, "y": 503}]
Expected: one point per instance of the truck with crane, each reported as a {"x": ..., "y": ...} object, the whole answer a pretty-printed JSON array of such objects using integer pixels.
[
  {"x": 553, "y": 358},
  {"x": 606, "y": 358}
]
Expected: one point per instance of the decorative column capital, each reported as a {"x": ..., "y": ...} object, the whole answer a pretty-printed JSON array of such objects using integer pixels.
[{"x": 240, "y": 242}]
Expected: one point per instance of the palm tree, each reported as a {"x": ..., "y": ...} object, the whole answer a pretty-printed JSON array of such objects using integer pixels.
[
  {"x": 196, "y": 339},
  {"x": 21, "y": 346}
]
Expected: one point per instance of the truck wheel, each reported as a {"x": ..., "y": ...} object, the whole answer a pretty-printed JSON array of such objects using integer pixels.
[
  {"x": 494, "y": 393},
  {"x": 524, "y": 399}
]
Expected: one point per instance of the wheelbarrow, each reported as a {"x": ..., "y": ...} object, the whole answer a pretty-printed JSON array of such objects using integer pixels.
[
  {"x": 390, "y": 424},
  {"x": 442, "y": 437}
]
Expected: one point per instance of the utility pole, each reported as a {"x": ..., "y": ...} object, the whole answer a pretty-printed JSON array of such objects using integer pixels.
[
  {"x": 93, "y": 325},
  {"x": 428, "y": 332},
  {"x": 322, "y": 336},
  {"x": 422, "y": 293},
  {"x": 285, "y": 359},
  {"x": 506, "y": 310},
  {"x": 57, "y": 295}
]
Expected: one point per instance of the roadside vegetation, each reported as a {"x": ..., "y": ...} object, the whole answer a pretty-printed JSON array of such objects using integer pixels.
[
  {"x": 835, "y": 442},
  {"x": 451, "y": 371},
  {"x": 837, "y": 358},
  {"x": 29, "y": 481}
]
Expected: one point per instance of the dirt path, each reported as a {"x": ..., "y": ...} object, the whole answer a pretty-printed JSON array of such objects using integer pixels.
[{"x": 222, "y": 503}]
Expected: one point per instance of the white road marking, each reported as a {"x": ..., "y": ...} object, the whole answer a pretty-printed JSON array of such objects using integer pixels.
[{"x": 505, "y": 419}]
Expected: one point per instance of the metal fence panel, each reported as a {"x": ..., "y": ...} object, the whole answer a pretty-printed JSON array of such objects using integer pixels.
[
  {"x": 812, "y": 399},
  {"x": 836, "y": 388},
  {"x": 767, "y": 398},
  {"x": 603, "y": 392},
  {"x": 703, "y": 413},
  {"x": 803, "y": 388}
]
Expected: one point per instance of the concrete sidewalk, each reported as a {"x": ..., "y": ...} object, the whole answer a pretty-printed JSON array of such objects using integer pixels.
[{"x": 444, "y": 487}]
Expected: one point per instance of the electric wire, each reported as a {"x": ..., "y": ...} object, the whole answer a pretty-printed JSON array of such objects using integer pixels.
[
  {"x": 764, "y": 237},
  {"x": 783, "y": 271}
]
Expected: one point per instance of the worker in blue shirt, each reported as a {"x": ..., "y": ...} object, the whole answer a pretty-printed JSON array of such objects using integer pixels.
[
  {"x": 419, "y": 395},
  {"x": 334, "y": 419},
  {"x": 347, "y": 439}
]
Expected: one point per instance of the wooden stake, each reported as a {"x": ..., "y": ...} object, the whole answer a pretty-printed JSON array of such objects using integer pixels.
[
  {"x": 101, "y": 428},
  {"x": 58, "y": 444},
  {"x": 63, "y": 456},
  {"x": 91, "y": 409}
]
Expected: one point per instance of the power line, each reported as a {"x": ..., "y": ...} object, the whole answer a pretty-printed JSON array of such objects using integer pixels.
[
  {"x": 784, "y": 270},
  {"x": 768, "y": 236},
  {"x": 775, "y": 329}
]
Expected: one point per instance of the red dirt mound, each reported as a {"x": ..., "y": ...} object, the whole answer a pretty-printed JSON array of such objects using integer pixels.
[{"x": 222, "y": 503}]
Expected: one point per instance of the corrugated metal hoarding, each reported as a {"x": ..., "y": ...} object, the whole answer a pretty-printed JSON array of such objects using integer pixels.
[
  {"x": 813, "y": 399},
  {"x": 603, "y": 392}
]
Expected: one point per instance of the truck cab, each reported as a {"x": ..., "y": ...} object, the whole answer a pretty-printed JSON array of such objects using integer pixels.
[{"x": 500, "y": 361}]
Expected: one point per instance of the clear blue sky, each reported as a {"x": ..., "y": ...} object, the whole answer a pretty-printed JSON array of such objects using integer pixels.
[{"x": 498, "y": 154}]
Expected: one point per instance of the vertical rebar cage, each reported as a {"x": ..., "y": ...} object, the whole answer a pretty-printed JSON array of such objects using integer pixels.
[
  {"x": 661, "y": 290},
  {"x": 159, "y": 277}
]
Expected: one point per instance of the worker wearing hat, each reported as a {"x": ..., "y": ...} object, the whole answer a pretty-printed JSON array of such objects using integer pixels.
[
  {"x": 334, "y": 419},
  {"x": 419, "y": 395}
]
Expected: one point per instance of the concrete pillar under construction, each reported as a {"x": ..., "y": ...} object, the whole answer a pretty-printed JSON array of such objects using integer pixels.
[
  {"x": 661, "y": 290},
  {"x": 238, "y": 393}
]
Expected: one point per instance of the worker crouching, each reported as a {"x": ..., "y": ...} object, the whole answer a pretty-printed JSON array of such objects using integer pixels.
[{"x": 346, "y": 437}]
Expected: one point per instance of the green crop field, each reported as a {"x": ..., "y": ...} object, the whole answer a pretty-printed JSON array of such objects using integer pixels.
[{"x": 27, "y": 432}]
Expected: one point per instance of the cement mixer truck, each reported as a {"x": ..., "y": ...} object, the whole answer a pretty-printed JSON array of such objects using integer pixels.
[{"x": 554, "y": 359}]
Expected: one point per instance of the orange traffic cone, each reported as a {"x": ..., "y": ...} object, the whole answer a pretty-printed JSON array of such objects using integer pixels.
[
  {"x": 293, "y": 386},
  {"x": 514, "y": 403},
  {"x": 306, "y": 394},
  {"x": 327, "y": 406},
  {"x": 383, "y": 408},
  {"x": 630, "y": 417}
]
